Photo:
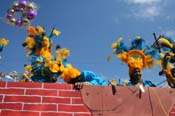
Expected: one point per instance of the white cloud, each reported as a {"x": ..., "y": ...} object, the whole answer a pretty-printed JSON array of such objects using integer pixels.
[
  {"x": 145, "y": 8},
  {"x": 143, "y": 1},
  {"x": 152, "y": 11},
  {"x": 148, "y": 12}
]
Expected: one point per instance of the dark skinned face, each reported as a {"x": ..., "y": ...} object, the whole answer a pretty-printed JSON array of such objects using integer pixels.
[{"x": 136, "y": 76}]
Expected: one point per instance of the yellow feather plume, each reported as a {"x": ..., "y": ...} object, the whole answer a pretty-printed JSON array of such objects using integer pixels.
[
  {"x": 4, "y": 41},
  {"x": 64, "y": 53},
  {"x": 123, "y": 56},
  {"x": 31, "y": 30},
  {"x": 70, "y": 73},
  {"x": 149, "y": 62},
  {"x": 56, "y": 32},
  {"x": 40, "y": 29},
  {"x": 165, "y": 42},
  {"x": 54, "y": 67},
  {"x": 108, "y": 58},
  {"x": 117, "y": 43}
]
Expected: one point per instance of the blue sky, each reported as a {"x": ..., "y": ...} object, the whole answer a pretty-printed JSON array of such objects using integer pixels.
[{"x": 88, "y": 28}]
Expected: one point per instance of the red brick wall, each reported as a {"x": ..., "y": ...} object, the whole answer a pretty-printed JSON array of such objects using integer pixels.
[{"x": 40, "y": 99}]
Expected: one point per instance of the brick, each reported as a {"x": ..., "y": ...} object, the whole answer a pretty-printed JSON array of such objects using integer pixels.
[
  {"x": 2, "y": 84},
  {"x": 18, "y": 113},
  {"x": 1, "y": 97},
  {"x": 29, "y": 99},
  {"x": 12, "y": 91},
  {"x": 55, "y": 100},
  {"x": 77, "y": 101},
  {"x": 72, "y": 108},
  {"x": 82, "y": 114},
  {"x": 24, "y": 84},
  {"x": 69, "y": 93},
  {"x": 41, "y": 107},
  {"x": 57, "y": 86},
  {"x": 55, "y": 114},
  {"x": 15, "y": 106},
  {"x": 41, "y": 92}
]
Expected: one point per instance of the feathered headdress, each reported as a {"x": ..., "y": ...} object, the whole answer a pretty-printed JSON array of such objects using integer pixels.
[
  {"x": 166, "y": 46},
  {"x": 134, "y": 56}
]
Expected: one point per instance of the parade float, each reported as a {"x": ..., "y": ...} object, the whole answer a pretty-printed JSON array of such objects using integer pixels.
[{"x": 37, "y": 91}]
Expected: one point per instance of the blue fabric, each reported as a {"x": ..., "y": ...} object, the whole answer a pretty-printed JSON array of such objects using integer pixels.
[
  {"x": 146, "y": 83},
  {"x": 37, "y": 67},
  {"x": 64, "y": 62},
  {"x": 137, "y": 44},
  {"x": 122, "y": 47},
  {"x": 152, "y": 52},
  {"x": 37, "y": 58},
  {"x": 91, "y": 77},
  {"x": 167, "y": 49},
  {"x": 38, "y": 40}
]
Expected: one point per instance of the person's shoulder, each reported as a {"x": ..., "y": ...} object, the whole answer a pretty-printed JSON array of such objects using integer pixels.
[{"x": 148, "y": 83}]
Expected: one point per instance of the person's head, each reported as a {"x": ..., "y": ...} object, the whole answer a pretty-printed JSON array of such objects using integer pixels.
[{"x": 136, "y": 76}]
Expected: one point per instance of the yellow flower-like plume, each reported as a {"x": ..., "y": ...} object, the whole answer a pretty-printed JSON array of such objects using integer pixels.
[{"x": 4, "y": 42}]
